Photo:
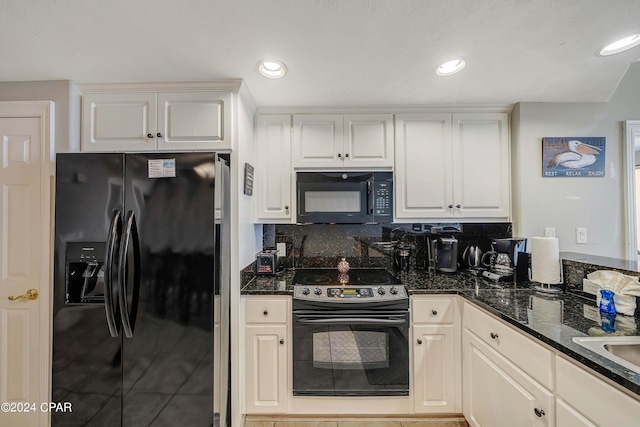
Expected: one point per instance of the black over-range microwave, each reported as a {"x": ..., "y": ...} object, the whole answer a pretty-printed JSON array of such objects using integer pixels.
[{"x": 344, "y": 197}]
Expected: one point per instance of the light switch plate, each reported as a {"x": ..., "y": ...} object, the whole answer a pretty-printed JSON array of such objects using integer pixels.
[
  {"x": 581, "y": 235},
  {"x": 549, "y": 232}
]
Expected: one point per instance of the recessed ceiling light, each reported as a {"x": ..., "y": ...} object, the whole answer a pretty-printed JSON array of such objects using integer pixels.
[
  {"x": 272, "y": 69},
  {"x": 621, "y": 45},
  {"x": 451, "y": 67}
]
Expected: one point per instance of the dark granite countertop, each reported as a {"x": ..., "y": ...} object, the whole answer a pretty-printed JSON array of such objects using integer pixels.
[{"x": 554, "y": 320}]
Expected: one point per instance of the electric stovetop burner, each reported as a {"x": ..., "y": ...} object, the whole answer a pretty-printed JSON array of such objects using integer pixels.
[{"x": 355, "y": 276}]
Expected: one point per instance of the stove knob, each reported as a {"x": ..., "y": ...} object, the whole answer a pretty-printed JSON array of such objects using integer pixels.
[
  {"x": 381, "y": 290},
  {"x": 393, "y": 290},
  {"x": 305, "y": 291},
  {"x": 317, "y": 291}
]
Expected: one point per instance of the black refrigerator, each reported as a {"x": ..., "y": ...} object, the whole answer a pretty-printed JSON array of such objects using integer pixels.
[{"x": 141, "y": 290}]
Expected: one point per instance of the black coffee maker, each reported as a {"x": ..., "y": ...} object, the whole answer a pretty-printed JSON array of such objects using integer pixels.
[
  {"x": 443, "y": 254},
  {"x": 507, "y": 259}
]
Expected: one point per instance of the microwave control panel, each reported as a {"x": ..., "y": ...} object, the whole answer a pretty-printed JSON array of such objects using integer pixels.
[{"x": 383, "y": 201}]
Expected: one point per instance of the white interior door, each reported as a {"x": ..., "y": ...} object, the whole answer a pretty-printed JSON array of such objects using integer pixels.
[{"x": 24, "y": 270}]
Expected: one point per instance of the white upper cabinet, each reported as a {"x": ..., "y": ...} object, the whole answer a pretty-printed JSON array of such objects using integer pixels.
[
  {"x": 274, "y": 196},
  {"x": 481, "y": 177},
  {"x": 452, "y": 166},
  {"x": 343, "y": 141},
  {"x": 119, "y": 122},
  {"x": 193, "y": 120},
  {"x": 152, "y": 120},
  {"x": 423, "y": 180}
]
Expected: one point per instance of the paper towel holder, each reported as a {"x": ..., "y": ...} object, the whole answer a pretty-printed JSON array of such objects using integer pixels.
[{"x": 548, "y": 288}]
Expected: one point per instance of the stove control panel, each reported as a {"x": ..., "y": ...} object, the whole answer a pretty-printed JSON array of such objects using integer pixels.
[{"x": 351, "y": 294}]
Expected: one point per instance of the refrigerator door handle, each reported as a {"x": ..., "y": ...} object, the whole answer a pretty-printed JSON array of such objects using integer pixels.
[
  {"x": 130, "y": 236},
  {"x": 115, "y": 230}
]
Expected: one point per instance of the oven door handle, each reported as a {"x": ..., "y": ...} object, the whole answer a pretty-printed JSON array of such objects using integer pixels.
[{"x": 351, "y": 321}]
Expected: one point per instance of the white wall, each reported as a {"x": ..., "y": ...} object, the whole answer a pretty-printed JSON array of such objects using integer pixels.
[
  {"x": 66, "y": 97},
  {"x": 567, "y": 203}
]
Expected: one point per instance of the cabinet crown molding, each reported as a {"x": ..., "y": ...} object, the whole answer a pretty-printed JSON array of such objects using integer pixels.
[
  {"x": 388, "y": 109},
  {"x": 228, "y": 85}
]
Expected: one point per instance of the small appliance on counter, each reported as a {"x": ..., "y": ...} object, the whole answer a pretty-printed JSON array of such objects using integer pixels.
[
  {"x": 444, "y": 254},
  {"x": 472, "y": 257},
  {"x": 267, "y": 262},
  {"x": 402, "y": 257},
  {"x": 507, "y": 260}
]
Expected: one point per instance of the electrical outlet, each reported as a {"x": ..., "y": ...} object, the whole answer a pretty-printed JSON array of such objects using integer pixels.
[
  {"x": 282, "y": 249},
  {"x": 549, "y": 232},
  {"x": 581, "y": 235}
]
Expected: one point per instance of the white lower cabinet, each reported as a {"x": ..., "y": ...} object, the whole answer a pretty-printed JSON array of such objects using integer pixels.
[
  {"x": 566, "y": 416},
  {"x": 267, "y": 343},
  {"x": 498, "y": 389},
  {"x": 589, "y": 401},
  {"x": 436, "y": 354}
]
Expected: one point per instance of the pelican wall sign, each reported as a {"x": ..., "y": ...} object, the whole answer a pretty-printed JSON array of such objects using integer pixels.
[{"x": 573, "y": 157}]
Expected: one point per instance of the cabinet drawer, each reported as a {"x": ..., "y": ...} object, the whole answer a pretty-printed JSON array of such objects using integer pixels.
[
  {"x": 432, "y": 310},
  {"x": 529, "y": 356},
  {"x": 266, "y": 310}
]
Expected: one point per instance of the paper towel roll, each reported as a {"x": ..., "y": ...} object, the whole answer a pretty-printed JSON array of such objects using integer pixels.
[{"x": 545, "y": 260}]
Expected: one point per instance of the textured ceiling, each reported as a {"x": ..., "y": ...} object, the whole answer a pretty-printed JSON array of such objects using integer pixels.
[{"x": 339, "y": 52}]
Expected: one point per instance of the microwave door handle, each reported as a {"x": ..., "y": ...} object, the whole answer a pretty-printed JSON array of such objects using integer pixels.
[{"x": 369, "y": 198}]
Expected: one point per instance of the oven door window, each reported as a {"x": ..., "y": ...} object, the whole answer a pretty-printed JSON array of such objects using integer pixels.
[
  {"x": 350, "y": 350},
  {"x": 350, "y": 359}
]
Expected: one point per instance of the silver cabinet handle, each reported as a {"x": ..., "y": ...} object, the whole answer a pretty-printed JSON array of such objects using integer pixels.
[
  {"x": 150, "y": 135},
  {"x": 539, "y": 412},
  {"x": 434, "y": 312},
  {"x": 494, "y": 336},
  {"x": 458, "y": 206},
  {"x": 347, "y": 155},
  {"x": 159, "y": 135},
  {"x": 265, "y": 313},
  {"x": 281, "y": 340},
  {"x": 419, "y": 341}
]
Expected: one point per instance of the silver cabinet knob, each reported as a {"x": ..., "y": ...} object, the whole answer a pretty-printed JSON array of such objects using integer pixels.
[
  {"x": 159, "y": 135},
  {"x": 281, "y": 340},
  {"x": 286, "y": 209},
  {"x": 450, "y": 206},
  {"x": 266, "y": 312},
  {"x": 347, "y": 155},
  {"x": 494, "y": 336},
  {"x": 419, "y": 341},
  {"x": 434, "y": 312},
  {"x": 339, "y": 155},
  {"x": 539, "y": 412},
  {"x": 458, "y": 206},
  {"x": 150, "y": 135}
]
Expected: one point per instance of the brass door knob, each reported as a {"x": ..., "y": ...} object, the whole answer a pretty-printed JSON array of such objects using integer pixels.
[{"x": 31, "y": 294}]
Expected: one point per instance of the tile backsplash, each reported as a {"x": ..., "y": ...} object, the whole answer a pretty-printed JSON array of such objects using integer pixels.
[{"x": 367, "y": 245}]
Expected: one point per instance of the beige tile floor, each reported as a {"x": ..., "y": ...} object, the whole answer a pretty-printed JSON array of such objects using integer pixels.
[{"x": 362, "y": 422}]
